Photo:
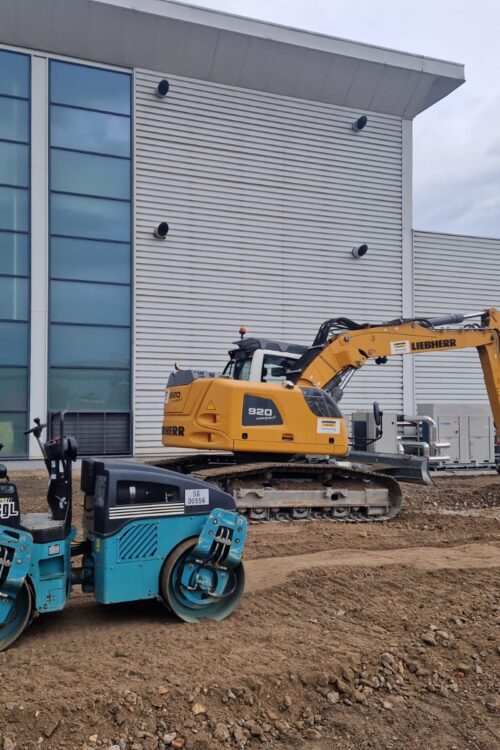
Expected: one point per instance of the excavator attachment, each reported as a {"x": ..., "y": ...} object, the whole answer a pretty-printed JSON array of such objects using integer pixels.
[{"x": 403, "y": 467}]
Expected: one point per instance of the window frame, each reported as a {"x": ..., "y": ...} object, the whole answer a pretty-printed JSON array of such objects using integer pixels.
[
  {"x": 27, "y": 232},
  {"x": 128, "y": 243}
]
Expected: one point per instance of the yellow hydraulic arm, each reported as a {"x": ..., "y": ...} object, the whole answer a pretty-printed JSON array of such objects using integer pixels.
[{"x": 327, "y": 363}]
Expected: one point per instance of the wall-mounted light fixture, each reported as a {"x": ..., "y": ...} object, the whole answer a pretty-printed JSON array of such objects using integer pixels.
[
  {"x": 360, "y": 251},
  {"x": 360, "y": 123},
  {"x": 161, "y": 230},
  {"x": 162, "y": 88}
]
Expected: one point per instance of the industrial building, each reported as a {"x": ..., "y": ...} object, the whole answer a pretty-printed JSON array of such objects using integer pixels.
[{"x": 120, "y": 120}]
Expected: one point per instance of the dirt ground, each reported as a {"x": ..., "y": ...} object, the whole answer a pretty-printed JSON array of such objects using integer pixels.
[{"x": 376, "y": 636}]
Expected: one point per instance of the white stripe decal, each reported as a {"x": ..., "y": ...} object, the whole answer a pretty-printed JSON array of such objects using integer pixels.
[
  {"x": 146, "y": 515},
  {"x": 146, "y": 506},
  {"x": 143, "y": 509},
  {"x": 152, "y": 510}
]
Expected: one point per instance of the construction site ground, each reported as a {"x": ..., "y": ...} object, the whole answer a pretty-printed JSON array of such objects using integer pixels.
[{"x": 349, "y": 636}]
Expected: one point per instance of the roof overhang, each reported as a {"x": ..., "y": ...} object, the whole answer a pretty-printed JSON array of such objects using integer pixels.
[{"x": 178, "y": 39}]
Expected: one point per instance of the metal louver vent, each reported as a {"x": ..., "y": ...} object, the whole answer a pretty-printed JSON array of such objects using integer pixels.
[
  {"x": 97, "y": 433},
  {"x": 138, "y": 542}
]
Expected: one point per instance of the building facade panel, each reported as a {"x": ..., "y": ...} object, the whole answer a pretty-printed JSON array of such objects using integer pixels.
[
  {"x": 265, "y": 196},
  {"x": 15, "y": 137},
  {"x": 90, "y": 215},
  {"x": 453, "y": 274}
]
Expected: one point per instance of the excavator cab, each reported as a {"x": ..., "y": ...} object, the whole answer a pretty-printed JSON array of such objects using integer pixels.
[{"x": 262, "y": 360}]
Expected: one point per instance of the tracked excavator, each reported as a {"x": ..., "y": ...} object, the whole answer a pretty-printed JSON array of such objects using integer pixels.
[{"x": 269, "y": 430}]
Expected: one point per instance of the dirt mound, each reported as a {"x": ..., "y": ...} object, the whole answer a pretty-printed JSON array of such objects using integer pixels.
[
  {"x": 376, "y": 636},
  {"x": 456, "y": 493}
]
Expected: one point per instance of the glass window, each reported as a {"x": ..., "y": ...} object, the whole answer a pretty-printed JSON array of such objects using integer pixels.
[
  {"x": 88, "y": 346},
  {"x": 13, "y": 389},
  {"x": 73, "y": 172},
  {"x": 96, "y": 218},
  {"x": 14, "y": 344},
  {"x": 13, "y": 298},
  {"x": 14, "y": 74},
  {"x": 14, "y": 209},
  {"x": 74, "y": 302},
  {"x": 275, "y": 368},
  {"x": 12, "y": 427},
  {"x": 14, "y": 119},
  {"x": 90, "y": 221},
  {"x": 89, "y": 260},
  {"x": 14, "y": 249},
  {"x": 89, "y": 131},
  {"x": 14, "y": 164},
  {"x": 94, "y": 88},
  {"x": 238, "y": 369},
  {"x": 93, "y": 390}
]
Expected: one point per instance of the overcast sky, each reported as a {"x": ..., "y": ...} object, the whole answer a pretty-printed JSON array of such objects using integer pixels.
[{"x": 456, "y": 142}]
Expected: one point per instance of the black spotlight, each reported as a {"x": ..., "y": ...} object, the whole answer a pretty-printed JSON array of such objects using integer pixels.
[
  {"x": 161, "y": 230},
  {"x": 162, "y": 88},
  {"x": 360, "y": 251},
  {"x": 360, "y": 123}
]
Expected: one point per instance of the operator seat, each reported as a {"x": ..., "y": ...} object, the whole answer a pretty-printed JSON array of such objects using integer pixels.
[{"x": 54, "y": 526}]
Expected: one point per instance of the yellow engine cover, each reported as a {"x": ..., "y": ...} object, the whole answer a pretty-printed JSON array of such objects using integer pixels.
[{"x": 236, "y": 415}]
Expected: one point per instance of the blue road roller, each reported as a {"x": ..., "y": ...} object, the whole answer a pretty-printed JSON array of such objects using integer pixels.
[{"x": 148, "y": 533}]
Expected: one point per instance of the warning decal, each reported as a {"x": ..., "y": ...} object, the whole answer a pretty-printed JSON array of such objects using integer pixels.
[
  {"x": 400, "y": 347},
  {"x": 210, "y": 406},
  {"x": 328, "y": 426}
]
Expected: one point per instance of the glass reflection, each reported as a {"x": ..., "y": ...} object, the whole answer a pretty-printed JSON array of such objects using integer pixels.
[
  {"x": 79, "y": 302},
  {"x": 13, "y": 298},
  {"x": 13, "y": 389},
  {"x": 89, "y": 260},
  {"x": 14, "y": 119},
  {"x": 14, "y": 203},
  {"x": 14, "y": 164},
  {"x": 86, "y": 346},
  {"x": 97, "y": 218},
  {"x": 14, "y": 250},
  {"x": 87, "y": 174},
  {"x": 12, "y": 427},
  {"x": 89, "y": 131},
  {"x": 14, "y": 74},
  {"x": 94, "y": 390},
  {"x": 93, "y": 88},
  {"x": 14, "y": 343}
]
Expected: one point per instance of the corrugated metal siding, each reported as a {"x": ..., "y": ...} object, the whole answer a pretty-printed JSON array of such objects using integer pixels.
[
  {"x": 265, "y": 196},
  {"x": 453, "y": 273}
]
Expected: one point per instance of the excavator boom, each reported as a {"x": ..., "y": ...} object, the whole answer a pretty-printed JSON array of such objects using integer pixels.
[{"x": 329, "y": 364}]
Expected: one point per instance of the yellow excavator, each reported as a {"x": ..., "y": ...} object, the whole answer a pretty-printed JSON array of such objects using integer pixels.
[{"x": 269, "y": 429}]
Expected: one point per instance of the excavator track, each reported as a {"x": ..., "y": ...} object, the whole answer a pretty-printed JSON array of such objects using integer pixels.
[{"x": 298, "y": 490}]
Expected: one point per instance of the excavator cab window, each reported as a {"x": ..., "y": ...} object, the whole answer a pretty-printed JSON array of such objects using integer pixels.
[
  {"x": 260, "y": 365},
  {"x": 238, "y": 369},
  {"x": 275, "y": 368}
]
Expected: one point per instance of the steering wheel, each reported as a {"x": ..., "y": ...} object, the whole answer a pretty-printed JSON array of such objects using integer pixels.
[{"x": 37, "y": 430}]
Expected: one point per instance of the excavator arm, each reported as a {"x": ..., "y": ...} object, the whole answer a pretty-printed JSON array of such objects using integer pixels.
[{"x": 336, "y": 355}]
